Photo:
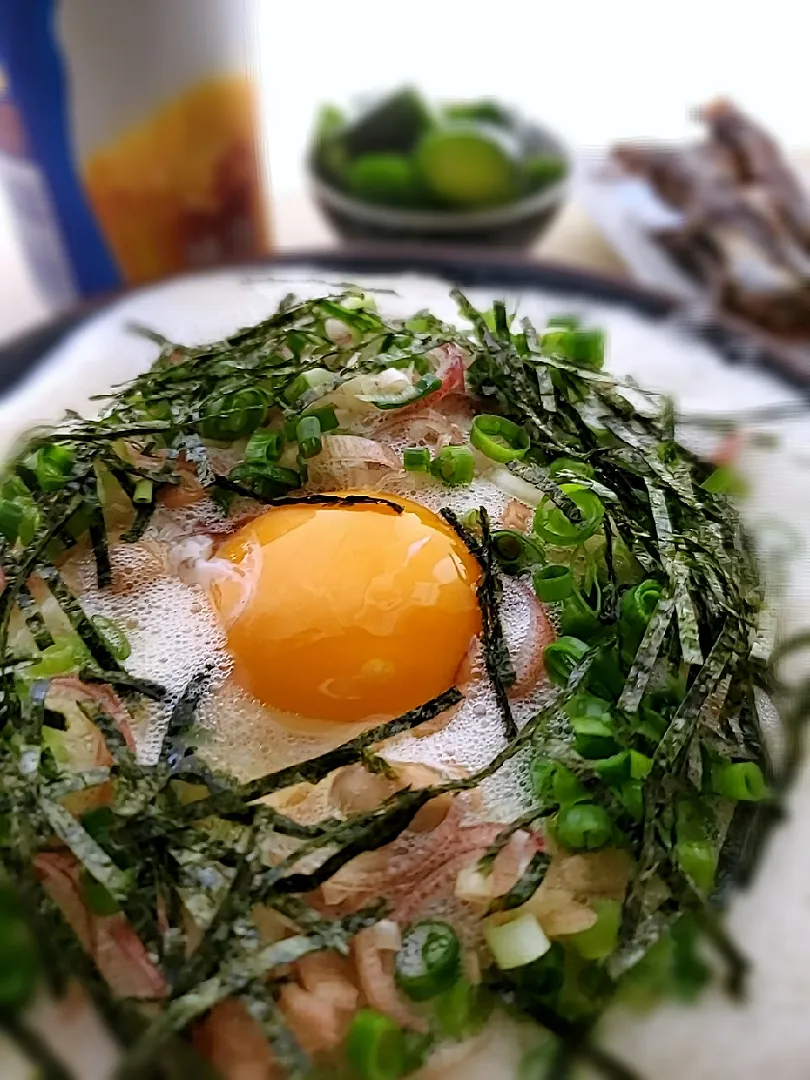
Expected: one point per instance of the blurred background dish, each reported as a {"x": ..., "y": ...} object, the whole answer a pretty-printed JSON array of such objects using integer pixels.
[
  {"x": 398, "y": 167},
  {"x": 722, "y": 222}
]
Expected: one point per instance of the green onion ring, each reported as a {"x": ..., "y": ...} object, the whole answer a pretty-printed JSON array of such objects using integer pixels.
[{"x": 499, "y": 439}]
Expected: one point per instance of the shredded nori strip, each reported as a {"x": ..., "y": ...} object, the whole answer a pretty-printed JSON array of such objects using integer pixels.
[
  {"x": 316, "y": 769},
  {"x": 525, "y": 887},
  {"x": 33, "y": 618},
  {"x": 496, "y": 654},
  {"x": 642, "y": 667}
]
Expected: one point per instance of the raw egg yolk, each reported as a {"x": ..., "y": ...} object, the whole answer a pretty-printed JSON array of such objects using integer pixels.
[{"x": 347, "y": 612}]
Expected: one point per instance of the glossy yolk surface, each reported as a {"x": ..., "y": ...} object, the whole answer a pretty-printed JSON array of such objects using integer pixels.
[{"x": 343, "y": 613}]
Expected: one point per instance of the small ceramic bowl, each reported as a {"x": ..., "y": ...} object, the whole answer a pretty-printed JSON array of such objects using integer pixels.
[{"x": 515, "y": 224}]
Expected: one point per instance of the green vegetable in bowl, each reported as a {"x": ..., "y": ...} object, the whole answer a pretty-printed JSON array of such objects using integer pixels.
[
  {"x": 484, "y": 112},
  {"x": 398, "y": 151},
  {"x": 393, "y": 124},
  {"x": 542, "y": 170},
  {"x": 469, "y": 166},
  {"x": 389, "y": 179}
]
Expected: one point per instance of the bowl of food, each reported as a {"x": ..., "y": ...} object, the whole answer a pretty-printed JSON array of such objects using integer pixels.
[
  {"x": 385, "y": 692},
  {"x": 399, "y": 169}
]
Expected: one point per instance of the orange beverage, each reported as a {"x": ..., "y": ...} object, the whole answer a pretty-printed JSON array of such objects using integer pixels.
[{"x": 130, "y": 138}]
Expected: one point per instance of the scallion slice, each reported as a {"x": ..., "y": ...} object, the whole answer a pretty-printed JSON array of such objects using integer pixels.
[
  {"x": 599, "y": 940},
  {"x": 563, "y": 465},
  {"x": 517, "y": 942},
  {"x": 232, "y": 416},
  {"x": 428, "y": 961},
  {"x": 428, "y": 384},
  {"x": 144, "y": 491},
  {"x": 268, "y": 481},
  {"x": 114, "y": 637},
  {"x": 561, "y": 657},
  {"x": 314, "y": 379},
  {"x": 416, "y": 459},
  {"x": 454, "y": 465},
  {"x": 264, "y": 447},
  {"x": 551, "y": 524},
  {"x": 53, "y": 465},
  {"x": 498, "y": 438},
  {"x": 375, "y": 1046},
  {"x": 308, "y": 436},
  {"x": 514, "y": 550},
  {"x": 462, "y": 1010},
  {"x": 698, "y": 859},
  {"x": 583, "y": 827},
  {"x": 553, "y": 582},
  {"x": 583, "y": 347},
  {"x": 741, "y": 781}
]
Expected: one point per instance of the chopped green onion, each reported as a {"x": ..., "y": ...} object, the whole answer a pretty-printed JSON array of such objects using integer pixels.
[
  {"x": 517, "y": 942},
  {"x": 583, "y": 347},
  {"x": 314, "y": 379},
  {"x": 18, "y": 520},
  {"x": 53, "y": 465},
  {"x": 637, "y": 608},
  {"x": 570, "y": 465},
  {"x": 326, "y": 417},
  {"x": 561, "y": 657},
  {"x": 606, "y": 677},
  {"x": 428, "y": 384},
  {"x": 462, "y": 1010},
  {"x": 454, "y": 465},
  {"x": 498, "y": 438},
  {"x": 264, "y": 447},
  {"x": 308, "y": 436},
  {"x": 591, "y": 720},
  {"x": 565, "y": 322},
  {"x": 552, "y": 525},
  {"x": 428, "y": 961},
  {"x": 698, "y": 859},
  {"x": 615, "y": 769},
  {"x": 599, "y": 940},
  {"x": 631, "y": 795},
  {"x": 725, "y": 481},
  {"x": 375, "y": 1046},
  {"x": 232, "y": 416},
  {"x": 324, "y": 414},
  {"x": 471, "y": 520},
  {"x": 584, "y": 827},
  {"x": 144, "y": 491},
  {"x": 416, "y": 459},
  {"x": 268, "y": 481},
  {"x": 555, "y": 783},
  {"x": 578, "y": 618},
  {"x": 553, "y": 582},
  {"x": 66, "y": 654},
  {"x": 114, "y": 637},
  {"x": 640, "y": 765},
  {"x": 362, "y": 301},
  {"x": 741, "y": 781},
  {"x": 513, "y": 550}
]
